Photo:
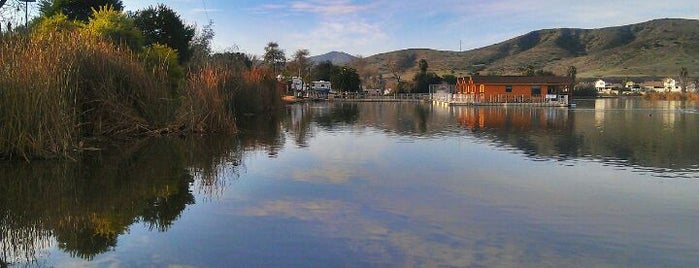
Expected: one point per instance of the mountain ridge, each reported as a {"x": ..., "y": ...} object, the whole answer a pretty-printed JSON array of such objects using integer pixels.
[
  {"x": 653, "y": 48},
  {"x": 335, "y": 57}
]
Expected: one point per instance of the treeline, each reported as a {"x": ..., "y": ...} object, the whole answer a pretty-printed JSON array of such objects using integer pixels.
[{"x": 86, "y": 71}]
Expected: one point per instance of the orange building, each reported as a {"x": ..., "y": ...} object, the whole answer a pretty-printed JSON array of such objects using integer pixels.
[{"x": 513, "y": 86}]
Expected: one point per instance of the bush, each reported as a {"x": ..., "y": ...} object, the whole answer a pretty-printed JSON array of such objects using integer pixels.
[
  {"x": 585, "y": 91},
  {"x": 163, "y": 59},
  {"x": 115, "y": 26}
]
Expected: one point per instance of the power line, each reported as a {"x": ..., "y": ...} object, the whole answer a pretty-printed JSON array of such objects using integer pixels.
[{"x": 206, "y": 10}]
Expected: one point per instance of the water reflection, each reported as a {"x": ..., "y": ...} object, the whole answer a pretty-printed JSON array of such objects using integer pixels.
[
  {"x": 85, "y": 206},
  {"x": 649, "y": 136},
  {"x": 396, "y": 183}
]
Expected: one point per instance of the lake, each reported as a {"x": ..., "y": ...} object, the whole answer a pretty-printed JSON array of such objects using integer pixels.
[{"x": 612, "y": 182}]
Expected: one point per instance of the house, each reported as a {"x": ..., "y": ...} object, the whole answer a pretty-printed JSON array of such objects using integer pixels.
[
  {"x": 692, "y": 87},
  {"x": 670, "y": 85},
  {"x": 506, "y": 89},
  {"x": 600, "y": 85},
  {"x": 652, "y": 86},
  {"x": 513, "y": 85}
]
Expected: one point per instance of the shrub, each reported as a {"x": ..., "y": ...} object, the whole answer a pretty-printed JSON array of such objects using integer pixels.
[{"x": 113, "y": 25}]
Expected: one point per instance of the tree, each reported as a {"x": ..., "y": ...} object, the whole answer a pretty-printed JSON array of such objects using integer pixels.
[
  {"x": 162, "y": 25},
  {"x": 346, "y": 79},
  {"x": 323, "y": 71},
  {"x": 422, "y": 80},
  {"x": 572, "y": 72},
  {"x": 368, "y": 75},
  {"x": 300, "y": 63},
  {"x": 422, "y": 65},
  {"x": 115, "y": 26},
  {"x": 76, "y": 9},
  {"x": 683, "y": 79},
  {"x": 397, "y": 65},
  {"x": 449, "y": 78},
  {"x": 274, "y": 57},
  {"x": 201, "y": 47},
  {"x": 233, "y": 60}
]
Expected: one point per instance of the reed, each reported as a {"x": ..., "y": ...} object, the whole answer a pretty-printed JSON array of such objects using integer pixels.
[
  {"x": 671, "y": 96},
  {"x": 59, "y": 88},
  {"x": 217, "y": 96}
]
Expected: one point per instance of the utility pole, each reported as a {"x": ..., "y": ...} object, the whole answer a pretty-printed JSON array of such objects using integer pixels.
[{"x": 26, "y": 12}]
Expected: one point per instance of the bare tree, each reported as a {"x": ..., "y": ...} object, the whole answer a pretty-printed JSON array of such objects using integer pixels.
[
  {"x": 300, "y": 64},
  {"x": 368, "y": 74},
  {"x": 399, "y": 64},
  {"x": 683, "y": 79}
]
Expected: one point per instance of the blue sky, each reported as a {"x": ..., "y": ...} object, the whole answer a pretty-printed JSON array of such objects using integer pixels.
[{"x": 362, "y": 27}]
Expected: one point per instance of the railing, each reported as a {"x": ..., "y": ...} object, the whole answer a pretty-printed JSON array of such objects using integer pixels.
[
  {"x": 499, "y": 99},
  {"x": 394, "y": 97}
]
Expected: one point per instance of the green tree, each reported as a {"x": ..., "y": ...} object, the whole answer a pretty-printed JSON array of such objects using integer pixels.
[
  {"x": 233, "y": 60},
  {"x": 162, "y": 25},
  {"x": 346, "y": 79},
  {"x": 56, "y": 23},
  {"x": 423, "y": 79},
  {"x": 201, "y": 46},
  {"x": 115, "y": 26},
  {"x": 572, "y": 73},
  {"x": 323, "y": 71},
  {"x": 422, "y": 65},
  {"x": 449, "y": 78},
  {"x": 76, "y": 9},
  {"x": 274, "y": 57},
  {"x": 162, "y": 57}
]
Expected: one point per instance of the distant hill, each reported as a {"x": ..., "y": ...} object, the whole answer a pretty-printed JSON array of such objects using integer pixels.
[
  {"x": 654, "y": 48},
  {"x": 337, "y": 58}
]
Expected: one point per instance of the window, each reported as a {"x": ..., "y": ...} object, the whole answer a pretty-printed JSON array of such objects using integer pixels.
[
  {"x": 536, "y": 90},
  {"x": 508, "y": 89}
]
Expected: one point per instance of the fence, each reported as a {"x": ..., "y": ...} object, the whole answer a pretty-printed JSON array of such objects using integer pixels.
[{"x": 480, "y": 99}]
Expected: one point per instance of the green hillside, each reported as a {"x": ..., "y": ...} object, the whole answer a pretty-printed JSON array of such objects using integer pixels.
[{"x": 654, "y": 48}]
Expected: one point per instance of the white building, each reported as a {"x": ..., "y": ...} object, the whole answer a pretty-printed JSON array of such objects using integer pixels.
[
  {"x": 670, "y": 85},
  {"x": 600, "y": 85},
  {"x": 324, "y": 86}
]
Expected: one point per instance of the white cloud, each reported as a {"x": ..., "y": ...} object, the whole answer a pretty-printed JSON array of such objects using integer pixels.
[
  {"x": 328, "y": 7},
  {"x": 206, "y": 10}
]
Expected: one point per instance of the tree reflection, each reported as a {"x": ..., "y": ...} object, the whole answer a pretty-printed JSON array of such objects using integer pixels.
[
  {"x": 619, "y": 133},
  {"x": 86, "y": 205}
]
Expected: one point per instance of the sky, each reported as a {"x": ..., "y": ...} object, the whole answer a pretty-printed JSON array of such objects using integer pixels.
[{"x": 363, "y": 27}]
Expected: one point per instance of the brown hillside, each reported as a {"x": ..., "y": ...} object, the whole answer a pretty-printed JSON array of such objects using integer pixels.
[{"x": 654, "y": 48}]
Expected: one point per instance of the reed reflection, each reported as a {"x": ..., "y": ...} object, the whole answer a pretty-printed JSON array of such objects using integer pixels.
[{"x": 84, "y": 206}]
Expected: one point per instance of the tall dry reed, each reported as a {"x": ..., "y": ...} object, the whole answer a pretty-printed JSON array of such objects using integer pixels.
[
  {"x": 56, "y": 89},
  {"x": 216, "y": 96}
]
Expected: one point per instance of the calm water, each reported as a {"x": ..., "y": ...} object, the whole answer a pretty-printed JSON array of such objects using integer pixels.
[{"x": 609, "y": 183}]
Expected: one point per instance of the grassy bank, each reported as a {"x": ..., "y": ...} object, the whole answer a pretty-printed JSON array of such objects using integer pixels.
[
  {"x": 671, "y": 96},
  {"x": 60, "y": 92}
]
